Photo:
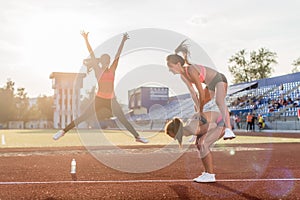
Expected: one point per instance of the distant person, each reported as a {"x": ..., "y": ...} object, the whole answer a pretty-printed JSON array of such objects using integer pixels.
[
  {"x": 237, "y": 120},
  {"x": 261, "y": 122},
  {"x": 281, "y": 90},
  {"x": 232, "y": 120},
  {"x": 105, "y": 104},
  {"x": 249, "y": 122},
  {"x": 253, "y": 122},
  {"x": 192, "y": 74},
  {"x": 207, "y": 134}
]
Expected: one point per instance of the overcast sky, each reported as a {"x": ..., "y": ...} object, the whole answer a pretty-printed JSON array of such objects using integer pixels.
[{"x": 38, "y": 37}]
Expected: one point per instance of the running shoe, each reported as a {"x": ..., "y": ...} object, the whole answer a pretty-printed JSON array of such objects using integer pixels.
[
  {"x": 228, "y": 134},
  {"x": 199, "y": 176},
  {"x": 205, "y": 178},
  {"x": 142, "y": 140},
  {"x": 58, "y": 135}
]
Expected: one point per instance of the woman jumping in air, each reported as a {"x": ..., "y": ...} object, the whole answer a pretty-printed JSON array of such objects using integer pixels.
[
  {"x": 207, "y": 134},
  {"x": 105, "y": 104},
  {"x": 192, "y": 74}
]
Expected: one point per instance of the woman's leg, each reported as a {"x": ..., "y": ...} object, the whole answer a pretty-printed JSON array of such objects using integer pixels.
[
  {"x": 118, "y": 112},
  {"x": 206, "y": 143},
  {"x": 84, "y": 116},
  {"x": 221, "y": 92},
  {"x": 208, "y": 163},
  {"x": 204, "y": 146}
]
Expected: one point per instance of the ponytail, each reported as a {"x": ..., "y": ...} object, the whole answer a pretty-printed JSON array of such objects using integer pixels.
[
  {"x": 184, "y": 49},
  {"x": 175, "y": 58}
]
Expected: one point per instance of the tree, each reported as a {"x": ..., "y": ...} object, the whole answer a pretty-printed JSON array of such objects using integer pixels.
[
  {"x": 7, "y": 102},
  {"x": 22, "y": 105},
  {"x": 258, "y": 66},
  {"x": 239, "y": 68},
  {"x": 45, "y": 107},
  {"x": 261, "y": 62},
  {"x": 296, "y": 63}
]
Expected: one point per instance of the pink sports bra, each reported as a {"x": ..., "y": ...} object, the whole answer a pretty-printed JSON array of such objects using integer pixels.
[
  {"x": 106, "y": 80},
  {"x": 201, "y": 73}
]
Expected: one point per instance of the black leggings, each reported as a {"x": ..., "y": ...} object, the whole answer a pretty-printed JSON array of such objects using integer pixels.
[{"x": 104, "y": 109}]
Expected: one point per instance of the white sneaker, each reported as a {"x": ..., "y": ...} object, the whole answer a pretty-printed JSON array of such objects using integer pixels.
[
  {"x": 142, "y": 140},
  {"x": 199, "y": 176},
  {"x": 205, "y": 178},
  {"x": 228, "y": 134},
  {"x": 58, "y": 135}
]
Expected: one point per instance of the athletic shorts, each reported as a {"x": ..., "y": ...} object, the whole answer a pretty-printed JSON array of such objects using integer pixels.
[{"x": 218, "y": 78}]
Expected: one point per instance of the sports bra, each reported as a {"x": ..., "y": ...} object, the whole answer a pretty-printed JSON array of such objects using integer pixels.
[
  {"x": 107, "y": 80},
  {"x": 201, "y": 73}
]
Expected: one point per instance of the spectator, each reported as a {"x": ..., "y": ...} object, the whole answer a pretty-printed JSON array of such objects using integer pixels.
[
  {"x": 237, "y": 120},
  {"x": 261, "y": 122},
  {"x": 281, "y": 88},
  {"x": 232, "y": 120},
  {"x": 254, "y": 118},
  {"x": 249, "y": 121}
]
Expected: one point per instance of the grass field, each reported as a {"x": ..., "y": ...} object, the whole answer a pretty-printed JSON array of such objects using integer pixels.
[{"x": 43, "y": 138}]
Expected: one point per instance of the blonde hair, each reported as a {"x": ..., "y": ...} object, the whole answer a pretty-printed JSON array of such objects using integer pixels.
[{"x": 175, "y": 126}]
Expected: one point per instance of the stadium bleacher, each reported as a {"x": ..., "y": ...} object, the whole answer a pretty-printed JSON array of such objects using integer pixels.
[{"x": 276, "y": 96}]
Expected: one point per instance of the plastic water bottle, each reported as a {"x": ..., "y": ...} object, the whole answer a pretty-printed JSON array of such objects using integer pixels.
[{"x": 73, "y": 166}]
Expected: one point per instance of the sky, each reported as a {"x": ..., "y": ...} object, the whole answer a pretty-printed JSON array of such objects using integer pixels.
[{"x": 40, "y": 37}]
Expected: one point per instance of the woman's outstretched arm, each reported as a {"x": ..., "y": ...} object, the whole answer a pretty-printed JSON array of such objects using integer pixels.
[
  {"x": 118, "y": 54},
  {"x": 85, "y": 36}
]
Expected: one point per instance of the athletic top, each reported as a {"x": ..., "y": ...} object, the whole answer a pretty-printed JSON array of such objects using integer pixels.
[
  {"x": 249, "y": 118},
  {"x": 106, "y": 85},
  {"x": 202, "y": 71}
]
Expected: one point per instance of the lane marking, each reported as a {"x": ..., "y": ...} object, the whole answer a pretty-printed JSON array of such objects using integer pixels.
[
  {"x": 133, "y": 150},
  {"x": 146, "y": 181}
]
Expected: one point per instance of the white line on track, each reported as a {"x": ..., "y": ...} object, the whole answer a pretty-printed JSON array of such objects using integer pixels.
[{"x": 146, "y": 181}]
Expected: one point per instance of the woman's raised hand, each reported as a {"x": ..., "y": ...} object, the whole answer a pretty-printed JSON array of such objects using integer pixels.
[
  {"x": 125, "y": 36},
  {"x": 84, "y": 34}
]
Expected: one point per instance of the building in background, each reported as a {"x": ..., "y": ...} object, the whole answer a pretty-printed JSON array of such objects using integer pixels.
[
  {"x": 142, "y": 99},
  {"x": 66, "y": 97}
]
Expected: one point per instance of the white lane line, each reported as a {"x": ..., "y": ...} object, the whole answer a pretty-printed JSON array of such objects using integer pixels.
[
  {"x": 146, "y": 181},
  {"x": 3, "y": 140}
]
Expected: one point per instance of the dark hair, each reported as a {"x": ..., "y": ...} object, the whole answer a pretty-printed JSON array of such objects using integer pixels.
[
  {"x": 184, "y": 48},
  {"x": 175, "y": 126}
]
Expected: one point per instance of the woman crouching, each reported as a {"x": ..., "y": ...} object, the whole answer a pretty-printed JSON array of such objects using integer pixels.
[{"x": 207, "y": 133}]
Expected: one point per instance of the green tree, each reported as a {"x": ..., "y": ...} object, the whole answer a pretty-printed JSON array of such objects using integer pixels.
[
  {"x": 261, "y": 62},
  {"x": 22, "y": 105},
  {"x": 45, "y": 107},
  {"x": 34, "y": 113},
  {"x": 257, "y": 66},
  {"x": 296, "y": 64},
  {"x": 239, "y": 67},
  {"x": 7, "y": 102}
]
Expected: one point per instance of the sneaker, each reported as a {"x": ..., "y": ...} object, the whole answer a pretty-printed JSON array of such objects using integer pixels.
[
  {"x": 58, "y": 135},
  {"x": 199, "y": 176},
  {"x": 228, "y": 134},
  {"x": 142, "y": 140},
  {"x": 205, "y": 178}
]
